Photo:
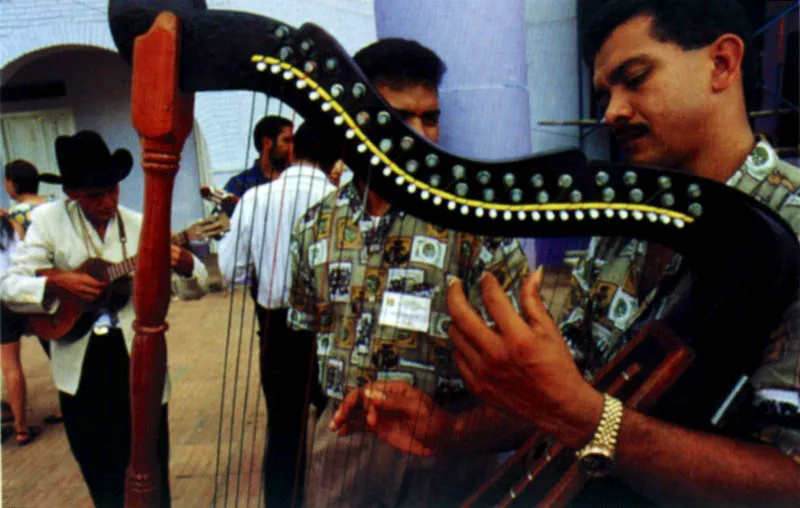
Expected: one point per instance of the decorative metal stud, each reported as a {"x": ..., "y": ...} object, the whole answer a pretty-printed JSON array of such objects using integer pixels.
[
  {"x": 313, "y": 96},
  {"x": 275, "y": 68},
  {"x": 536, "y": 216},
  {"x": 492, "y": 213},
  {"x": 431, "y": 160},
  {"x": 261, "y": 66},
  {"x": 407, "y": 143},
  {"x": 565, "y": 181},
  {"x": 411, "y": 188},
  {"x": 436, "y": 180},
  {"x": 424, "y": 195},
  {"x": 412, "y": 166},
  {"x": 384, "y": 117},
  {"x": 399, "y": 180},
  {"x": 664, "y": 182},
  {"x": 623, "y": 214},
  {"x": 337, "y": 90},
  {"x": 385, "y": 145},
  {"x": 479, "y": 212},
  {"x": 652, "y": 217},
  {"x": 282, "y": 31},
  {"x": 694, "y": 191},
  {"x": 564, "y": 215},
  {"x": 550, "y": 215},
  {"x": 349, "y": 133},
  {"x": 507, "y": 216},
  {"x": 516, "y": 195},
  {"x": 637, "y": 215},
  {"x": 630, "y": 178},
  {"x": 521, "y": 216},
  {"x": 285, "y": 53},
  {"x": 609, "y": 213},
  {"x": 579, "y": 215},
  {"x": 636, "y": 195},
  {"x": 338, "y": 120},
  {"x": 509, "y": 179},
  {"x": 288, "y": 75},
  {"x": 362, "y": 147},
  {"x": 331, "y": 64},
  {"x": 437, "y": 200},
  {"x": 594, "y": 214},
  {"x": 362, "y": 118},
  {"x": 609, "y": 194},
  {"x": 668, "y": 199},
  {"x": 462, "y": 189},
  {"x": 537, "y": 181},
  {"x": 679, "y": 223},
  {"x": 451, "y": 205},
  {"x": 326, "y": 106},
  {"x": 665, "y": 219},
  {"x": 488, "y": 195},
  {"x": 576, "y": 196},
  {"x": 310, "y": 66},
  {"x": 301, "y": 83},
  {"x": 464, "y": 210},
  {"x": 359, "y": 90},
  {"x": 601, "y": 178},
  {"x": 484, "y": 177},
  {"x": 696, "y": 209},
  {"x": 543, "y": 197},
  {"x": 375, "y": 160},
  {"x": 387, "y": 171},
  {"x": 459, "y": 172},
  {"x": 306, "y": 46}
]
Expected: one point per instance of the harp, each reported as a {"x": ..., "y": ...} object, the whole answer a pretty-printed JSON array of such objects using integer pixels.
[{"x": 191, "y": 49}]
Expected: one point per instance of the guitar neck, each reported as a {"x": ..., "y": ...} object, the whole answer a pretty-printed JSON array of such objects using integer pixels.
[{"x": 121, "y": 269}]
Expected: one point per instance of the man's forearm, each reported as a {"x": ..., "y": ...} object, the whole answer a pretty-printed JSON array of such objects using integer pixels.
[{"x": 672, "y": 464}]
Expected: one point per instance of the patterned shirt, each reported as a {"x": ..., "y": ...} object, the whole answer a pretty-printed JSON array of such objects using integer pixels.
[
  {"x": 21, "y": 213},
  {"x": 604, "y": 311},
  {"x": 374, "y": 290}
]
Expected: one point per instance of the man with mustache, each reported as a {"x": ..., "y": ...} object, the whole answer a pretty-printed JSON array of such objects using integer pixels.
[{"x": 674, "y": 76}]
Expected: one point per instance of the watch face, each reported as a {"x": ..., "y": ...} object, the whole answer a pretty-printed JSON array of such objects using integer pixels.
[{"x": 596, "y": 465}]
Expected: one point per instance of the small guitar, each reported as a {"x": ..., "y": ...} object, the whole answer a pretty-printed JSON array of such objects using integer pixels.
[{"x": 75, "y": 317}]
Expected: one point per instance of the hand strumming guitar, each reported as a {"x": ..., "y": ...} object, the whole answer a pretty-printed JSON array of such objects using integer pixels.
[
  {"x": 181, "y": 261},
  {"x": 64, "y": 284}
]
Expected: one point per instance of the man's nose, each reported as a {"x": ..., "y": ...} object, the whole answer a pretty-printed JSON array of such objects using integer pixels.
[{"x": 619, "y": 110}]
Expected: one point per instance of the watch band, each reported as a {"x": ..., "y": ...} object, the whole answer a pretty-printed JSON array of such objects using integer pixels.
[{"x": 603, "y": 444}]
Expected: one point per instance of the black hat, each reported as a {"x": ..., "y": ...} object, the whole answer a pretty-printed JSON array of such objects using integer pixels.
[{"x": 85, "y": 161}]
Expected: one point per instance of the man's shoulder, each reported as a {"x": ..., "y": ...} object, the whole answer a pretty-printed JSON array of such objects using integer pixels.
[{"x": 49, "y": 211}]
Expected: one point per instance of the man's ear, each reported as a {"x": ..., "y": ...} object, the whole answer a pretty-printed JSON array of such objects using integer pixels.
[
  {"x": 727, "y": 53},
  {"x": 266, "y": 146}
]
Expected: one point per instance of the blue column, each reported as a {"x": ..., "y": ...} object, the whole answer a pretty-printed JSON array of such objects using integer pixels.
[{"x": 484, "y": 95}]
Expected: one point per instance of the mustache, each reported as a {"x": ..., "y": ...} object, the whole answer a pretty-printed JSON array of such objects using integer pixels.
[{"x": 631, "y": 131}]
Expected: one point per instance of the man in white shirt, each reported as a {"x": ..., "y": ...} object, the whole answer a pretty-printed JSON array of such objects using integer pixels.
[
  {"x": 259, "y": 238},
  {"x": 91, "y": 362}
]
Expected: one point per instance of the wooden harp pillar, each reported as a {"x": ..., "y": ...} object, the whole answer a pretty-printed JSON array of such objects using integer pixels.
[{"x": 162, "y": 116}]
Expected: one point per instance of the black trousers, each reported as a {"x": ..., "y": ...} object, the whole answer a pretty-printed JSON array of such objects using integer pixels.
[
  {"x": 97, "y": 420},
  {"x": 287, "y": 364}
]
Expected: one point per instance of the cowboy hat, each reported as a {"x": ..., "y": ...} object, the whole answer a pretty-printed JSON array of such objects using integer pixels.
[{"x": 85, "y": 161}]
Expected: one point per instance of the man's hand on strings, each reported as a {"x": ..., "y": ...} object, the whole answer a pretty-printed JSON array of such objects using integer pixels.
[
  {"x": 523, "y": 368},
  {"x": 398, "y": 414},
  {"x": 181, "y": 261},
  {"x": 65, "y": 284}
]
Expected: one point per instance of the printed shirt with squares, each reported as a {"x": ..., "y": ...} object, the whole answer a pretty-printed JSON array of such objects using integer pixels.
[
  {"x": 603, "y": 299},
  {"x": 374, "y": 291}
]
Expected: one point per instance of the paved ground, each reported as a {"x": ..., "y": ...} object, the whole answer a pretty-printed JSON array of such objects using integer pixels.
[{"x": 44, "y": 474}]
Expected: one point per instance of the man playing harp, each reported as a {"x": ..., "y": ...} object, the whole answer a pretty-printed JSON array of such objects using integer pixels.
[{"x": 369, "y": 280}]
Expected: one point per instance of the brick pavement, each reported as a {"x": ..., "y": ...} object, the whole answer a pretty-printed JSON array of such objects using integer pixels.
[{"x": 44, "y": 474}]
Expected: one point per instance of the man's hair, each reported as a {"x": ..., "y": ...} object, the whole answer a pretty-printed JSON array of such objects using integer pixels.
[
  {"x": 269, "y": 127},
  {"x": 691, "y": 24},
  {"x": 318, "y": 145},
  {"x": 23, "y": 175},
  {"x": 399, "y": 63}
]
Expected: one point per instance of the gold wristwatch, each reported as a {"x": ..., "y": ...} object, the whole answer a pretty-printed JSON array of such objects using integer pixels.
[{"x": 597, "y": 457}]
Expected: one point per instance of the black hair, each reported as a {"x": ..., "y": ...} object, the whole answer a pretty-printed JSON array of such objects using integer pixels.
[
  {"x": 25, "y": 177},
  {"x": 400, "y": 62},
  {"x": 269, "y": 127},
  {"x": 691, "y": 24},
  {"x": 319, "y": 145}
]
